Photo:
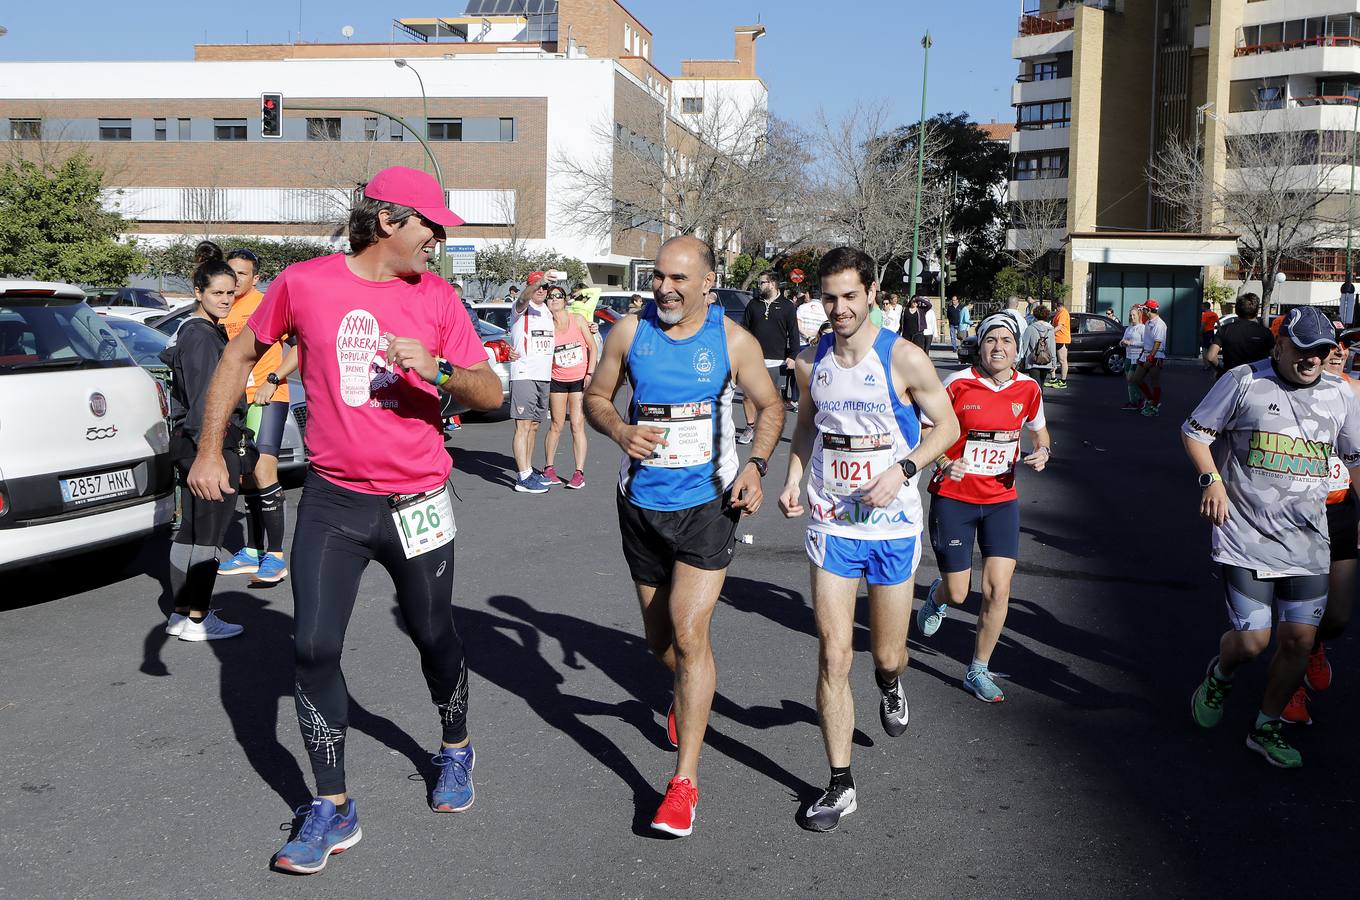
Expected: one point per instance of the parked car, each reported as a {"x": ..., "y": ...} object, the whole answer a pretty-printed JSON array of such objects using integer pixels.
[
  {"x": 138, "y": 304},
  {"x": 1095, "y": 344},
  {"x": 293, "y": 448},
  {"x": 496, "y": 342},
  {"x": 145, "y": 344},
  {"x": 84, "y": 449},
  {"x": 734, "y": 302},
  {"x": 498, "y": 313}
]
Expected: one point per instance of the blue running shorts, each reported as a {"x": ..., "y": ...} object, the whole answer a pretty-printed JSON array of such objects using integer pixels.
[{"x": 890, "y": 561}]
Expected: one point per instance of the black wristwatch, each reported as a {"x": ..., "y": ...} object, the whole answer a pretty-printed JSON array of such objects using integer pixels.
[
  {"x": 908, "y": 469},
  {"x": 1208, "y": 479},
  {"x": 272, "y": 378},
  {"x": 761, "y": 465}
]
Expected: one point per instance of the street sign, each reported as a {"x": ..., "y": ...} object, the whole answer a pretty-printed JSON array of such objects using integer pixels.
[
  {"x": 462, "y": 258},
  {"x": 797, "y": 276}
]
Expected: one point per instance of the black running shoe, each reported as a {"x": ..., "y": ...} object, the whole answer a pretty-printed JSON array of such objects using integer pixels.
[
  {"x": 826, "y": 812},
  {"x": 892, "y": 712}
]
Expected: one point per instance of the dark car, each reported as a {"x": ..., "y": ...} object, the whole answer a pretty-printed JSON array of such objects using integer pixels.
[
  {"x": 734, "y": 302},
  {"x": 144, "y": 298},
  {"x": 1095, "y": 343}
]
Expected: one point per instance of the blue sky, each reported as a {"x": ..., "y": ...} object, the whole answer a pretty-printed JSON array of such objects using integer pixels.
[{"x": 816, "y": 54}]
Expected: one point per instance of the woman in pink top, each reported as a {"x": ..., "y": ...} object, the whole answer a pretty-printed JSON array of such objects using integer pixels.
[{"x": 573, "y": 366}]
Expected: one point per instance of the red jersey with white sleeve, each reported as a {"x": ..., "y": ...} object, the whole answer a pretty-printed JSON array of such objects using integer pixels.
[
  {"x": 991, "y": 417},
  {"x": 370, "y": 429}
]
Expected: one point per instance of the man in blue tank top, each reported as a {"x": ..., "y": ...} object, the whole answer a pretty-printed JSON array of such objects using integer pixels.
[
  {"x": 681, "y": 488},
  {"x": 859, "y": 437}
]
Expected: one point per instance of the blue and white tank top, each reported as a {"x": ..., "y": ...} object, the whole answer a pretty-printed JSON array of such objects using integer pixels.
[
  {"x": 863, "y": 429},
  {"x": 684, "y": 387}
]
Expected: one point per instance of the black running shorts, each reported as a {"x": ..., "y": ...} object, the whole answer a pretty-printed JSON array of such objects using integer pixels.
[
  {"x": 654, "y": 540},
  {"x": 1343, "y": 529}
]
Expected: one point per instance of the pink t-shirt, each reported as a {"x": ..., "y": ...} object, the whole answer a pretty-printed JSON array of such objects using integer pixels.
[{"x": 369, "y": 429}]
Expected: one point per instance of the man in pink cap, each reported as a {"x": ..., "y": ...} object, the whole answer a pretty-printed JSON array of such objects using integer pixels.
[{"x": 379, "y": 336}]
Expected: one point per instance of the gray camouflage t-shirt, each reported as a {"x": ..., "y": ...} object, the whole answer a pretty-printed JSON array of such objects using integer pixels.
[{"x": 1276, "y": 440}]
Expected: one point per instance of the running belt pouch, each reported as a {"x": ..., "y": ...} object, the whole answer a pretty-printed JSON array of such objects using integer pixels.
[{"x": 239, "y": 441}]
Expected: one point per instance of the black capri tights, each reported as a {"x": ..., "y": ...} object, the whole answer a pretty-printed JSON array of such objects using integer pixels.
[{"x": 338, "y": 532}]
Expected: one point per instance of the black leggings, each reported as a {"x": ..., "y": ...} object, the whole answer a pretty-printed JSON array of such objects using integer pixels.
[{"x": 338, "y": 532}]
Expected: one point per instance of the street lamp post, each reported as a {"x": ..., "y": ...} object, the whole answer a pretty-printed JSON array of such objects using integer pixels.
[
  {"x": 920, "y": 165},
  {"x": 1350, "y": 200},
  {"x": 424, "y": 101}
]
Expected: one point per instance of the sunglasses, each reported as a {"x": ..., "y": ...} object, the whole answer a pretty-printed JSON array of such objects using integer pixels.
[{"x": 242, "y": 253}]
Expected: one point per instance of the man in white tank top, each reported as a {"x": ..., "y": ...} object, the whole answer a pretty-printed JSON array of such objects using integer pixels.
[{"x": 859, "y": 437}]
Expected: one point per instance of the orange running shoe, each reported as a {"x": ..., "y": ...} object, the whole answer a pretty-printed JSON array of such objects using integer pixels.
[
  {"x": 675, "y": 816},
  {"x": 1319, "y": 674},
  {"x": 1296, "y": 711}
]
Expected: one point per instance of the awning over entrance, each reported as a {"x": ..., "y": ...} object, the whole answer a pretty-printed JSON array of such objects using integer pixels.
[{"x": 1153, "y": 248}]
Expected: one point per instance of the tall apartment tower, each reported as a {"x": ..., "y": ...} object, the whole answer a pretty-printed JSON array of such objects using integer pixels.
[{"x": 1102, "y": 84}]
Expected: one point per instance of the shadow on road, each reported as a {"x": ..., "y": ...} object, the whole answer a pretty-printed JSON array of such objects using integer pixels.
[
  {"x": 91, "y": 571},
  {"x": 256, "y": 674},
  {"x": 491, "y": 467}
]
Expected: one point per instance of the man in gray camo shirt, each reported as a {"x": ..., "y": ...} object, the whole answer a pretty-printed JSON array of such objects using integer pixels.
[{"x": 1270, "y": 428}]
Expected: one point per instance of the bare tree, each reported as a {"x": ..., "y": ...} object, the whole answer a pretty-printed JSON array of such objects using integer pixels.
[
  {"x": 1038, "y": 225},
  {"x": 867, "y": 188},
  {"x": 731, "y": 175},
  {"x": 1278, "y": 192}
]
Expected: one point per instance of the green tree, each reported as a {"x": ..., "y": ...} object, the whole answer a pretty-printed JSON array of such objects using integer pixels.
[
  {"x": 500, "y": 265},
  {"x": 174, "y": 260},
  {"x": 53, "y": 227}
]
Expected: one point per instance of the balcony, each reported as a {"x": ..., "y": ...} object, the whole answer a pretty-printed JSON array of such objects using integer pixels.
[
  {"x": 1046, "y": 22},
  {"x": 1321, "y": 40},
  {"x": 1040, "y": 91}
]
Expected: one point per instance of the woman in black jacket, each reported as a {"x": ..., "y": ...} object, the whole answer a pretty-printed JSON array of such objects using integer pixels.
[{"x": 192, "y": 357}]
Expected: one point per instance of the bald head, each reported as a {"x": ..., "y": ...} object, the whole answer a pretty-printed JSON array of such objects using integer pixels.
[{"x": 682, "y": 277}]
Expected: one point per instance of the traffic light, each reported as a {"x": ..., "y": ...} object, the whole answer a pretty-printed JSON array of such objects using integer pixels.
[{"x": 271, "y": 115}]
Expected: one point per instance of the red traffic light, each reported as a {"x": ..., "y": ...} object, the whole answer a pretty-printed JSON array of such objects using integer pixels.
[{"x": 271, "y": 115}]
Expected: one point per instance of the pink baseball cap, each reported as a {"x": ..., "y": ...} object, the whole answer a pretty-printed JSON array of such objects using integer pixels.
[{"x": 413, "y": 188}]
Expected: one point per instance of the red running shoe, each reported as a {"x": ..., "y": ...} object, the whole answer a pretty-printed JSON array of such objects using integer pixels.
[
  {"x": 675, "y": 815},
  {"x": 1318, "y": 677},
  {"x": 1296, "y": 711},
  {"x": 671, "y": 734}
]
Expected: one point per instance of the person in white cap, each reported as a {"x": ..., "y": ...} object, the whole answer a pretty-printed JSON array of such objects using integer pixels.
[{"x": 380, "y": 336}]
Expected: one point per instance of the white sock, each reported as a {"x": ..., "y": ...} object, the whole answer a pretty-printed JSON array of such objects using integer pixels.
[{"x": 525, "y": 473}]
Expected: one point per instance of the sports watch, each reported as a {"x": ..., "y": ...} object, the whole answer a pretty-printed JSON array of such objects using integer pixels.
[
  {"x": 761, "y": 465},
  {"x": 444, "y": 371},
  {"x": 1209, "y": 478},
  {"x": 272, "y": 378},
  {"x": 908, "y": 469}
]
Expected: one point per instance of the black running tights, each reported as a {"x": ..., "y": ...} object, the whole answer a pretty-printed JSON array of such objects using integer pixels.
[{"x": 338, "y": 532}]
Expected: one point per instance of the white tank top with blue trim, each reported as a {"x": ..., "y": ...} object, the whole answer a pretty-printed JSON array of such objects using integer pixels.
[{"x": 863, "y": 429}]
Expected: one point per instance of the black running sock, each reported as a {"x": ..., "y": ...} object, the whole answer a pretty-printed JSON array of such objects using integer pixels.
[
  {"x": 197, "y": 620},
  {"x": 885, "y": 684},
  {"x": 254, "y": 521},
  {"x": 841, "y": 777},
  {"x": 272, "y": 516},
  {"x": 343, "y": 808}
]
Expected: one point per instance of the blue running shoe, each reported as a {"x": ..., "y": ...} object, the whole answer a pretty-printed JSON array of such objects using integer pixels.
[
  {"x": 272, "y": 570},
  {"x": 543, "y": 479},
  {"x": 323, "y": 832},
  {"x": 454, "y": 791},
  {"x": 980, "y": 682},
  {"x": 245, "y": 562},
  {"x": 531, "y": 485},
  {"x": 931, "y": 614}
]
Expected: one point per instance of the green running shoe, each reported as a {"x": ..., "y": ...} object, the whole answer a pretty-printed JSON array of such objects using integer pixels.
[
  {"x": 1206, "y": 704},
  {"x": 980, "y": 682},
  {"x": 1268, "y": 740},
  {"x": 931, "y": 614}
]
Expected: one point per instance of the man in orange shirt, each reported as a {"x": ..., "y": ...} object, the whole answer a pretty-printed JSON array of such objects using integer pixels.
[
  {"x": 267, "y": 394},
  {"x": 1062, "y": 336},
  {"x": 1208, "y": 322}
]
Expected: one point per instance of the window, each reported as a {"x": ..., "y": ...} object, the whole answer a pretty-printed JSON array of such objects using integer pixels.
[
  {"x": 370, "y": 128},
  {"x": 1099, "y": 325},
  {"x": 25, "y": 129},
  {"x": 159, "y": 129},
  {"x": 691, "y": 104},
  {"x": 1031, "y": 166},
  {"x": 445, "y": 130},
  {"x": 323, "y": 128},
  {"x": 647, "y": 49},
  {"x": 1044, "y": 115},
  {"x": 507, "y": 130},
  {"x": 229, "y": 129},
  {"x": 1270, "y": 97},
  {"x": 397, "y": 132},
  {"x": 186, "y": 129},
  {"x": 115, "y": 129}
]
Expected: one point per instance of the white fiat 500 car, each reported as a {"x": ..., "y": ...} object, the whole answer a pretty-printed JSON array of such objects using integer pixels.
[{"x": 84, "y": 452}]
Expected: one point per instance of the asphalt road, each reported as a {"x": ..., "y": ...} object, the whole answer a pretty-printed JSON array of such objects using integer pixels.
[{"x": 136, "y": 766}]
